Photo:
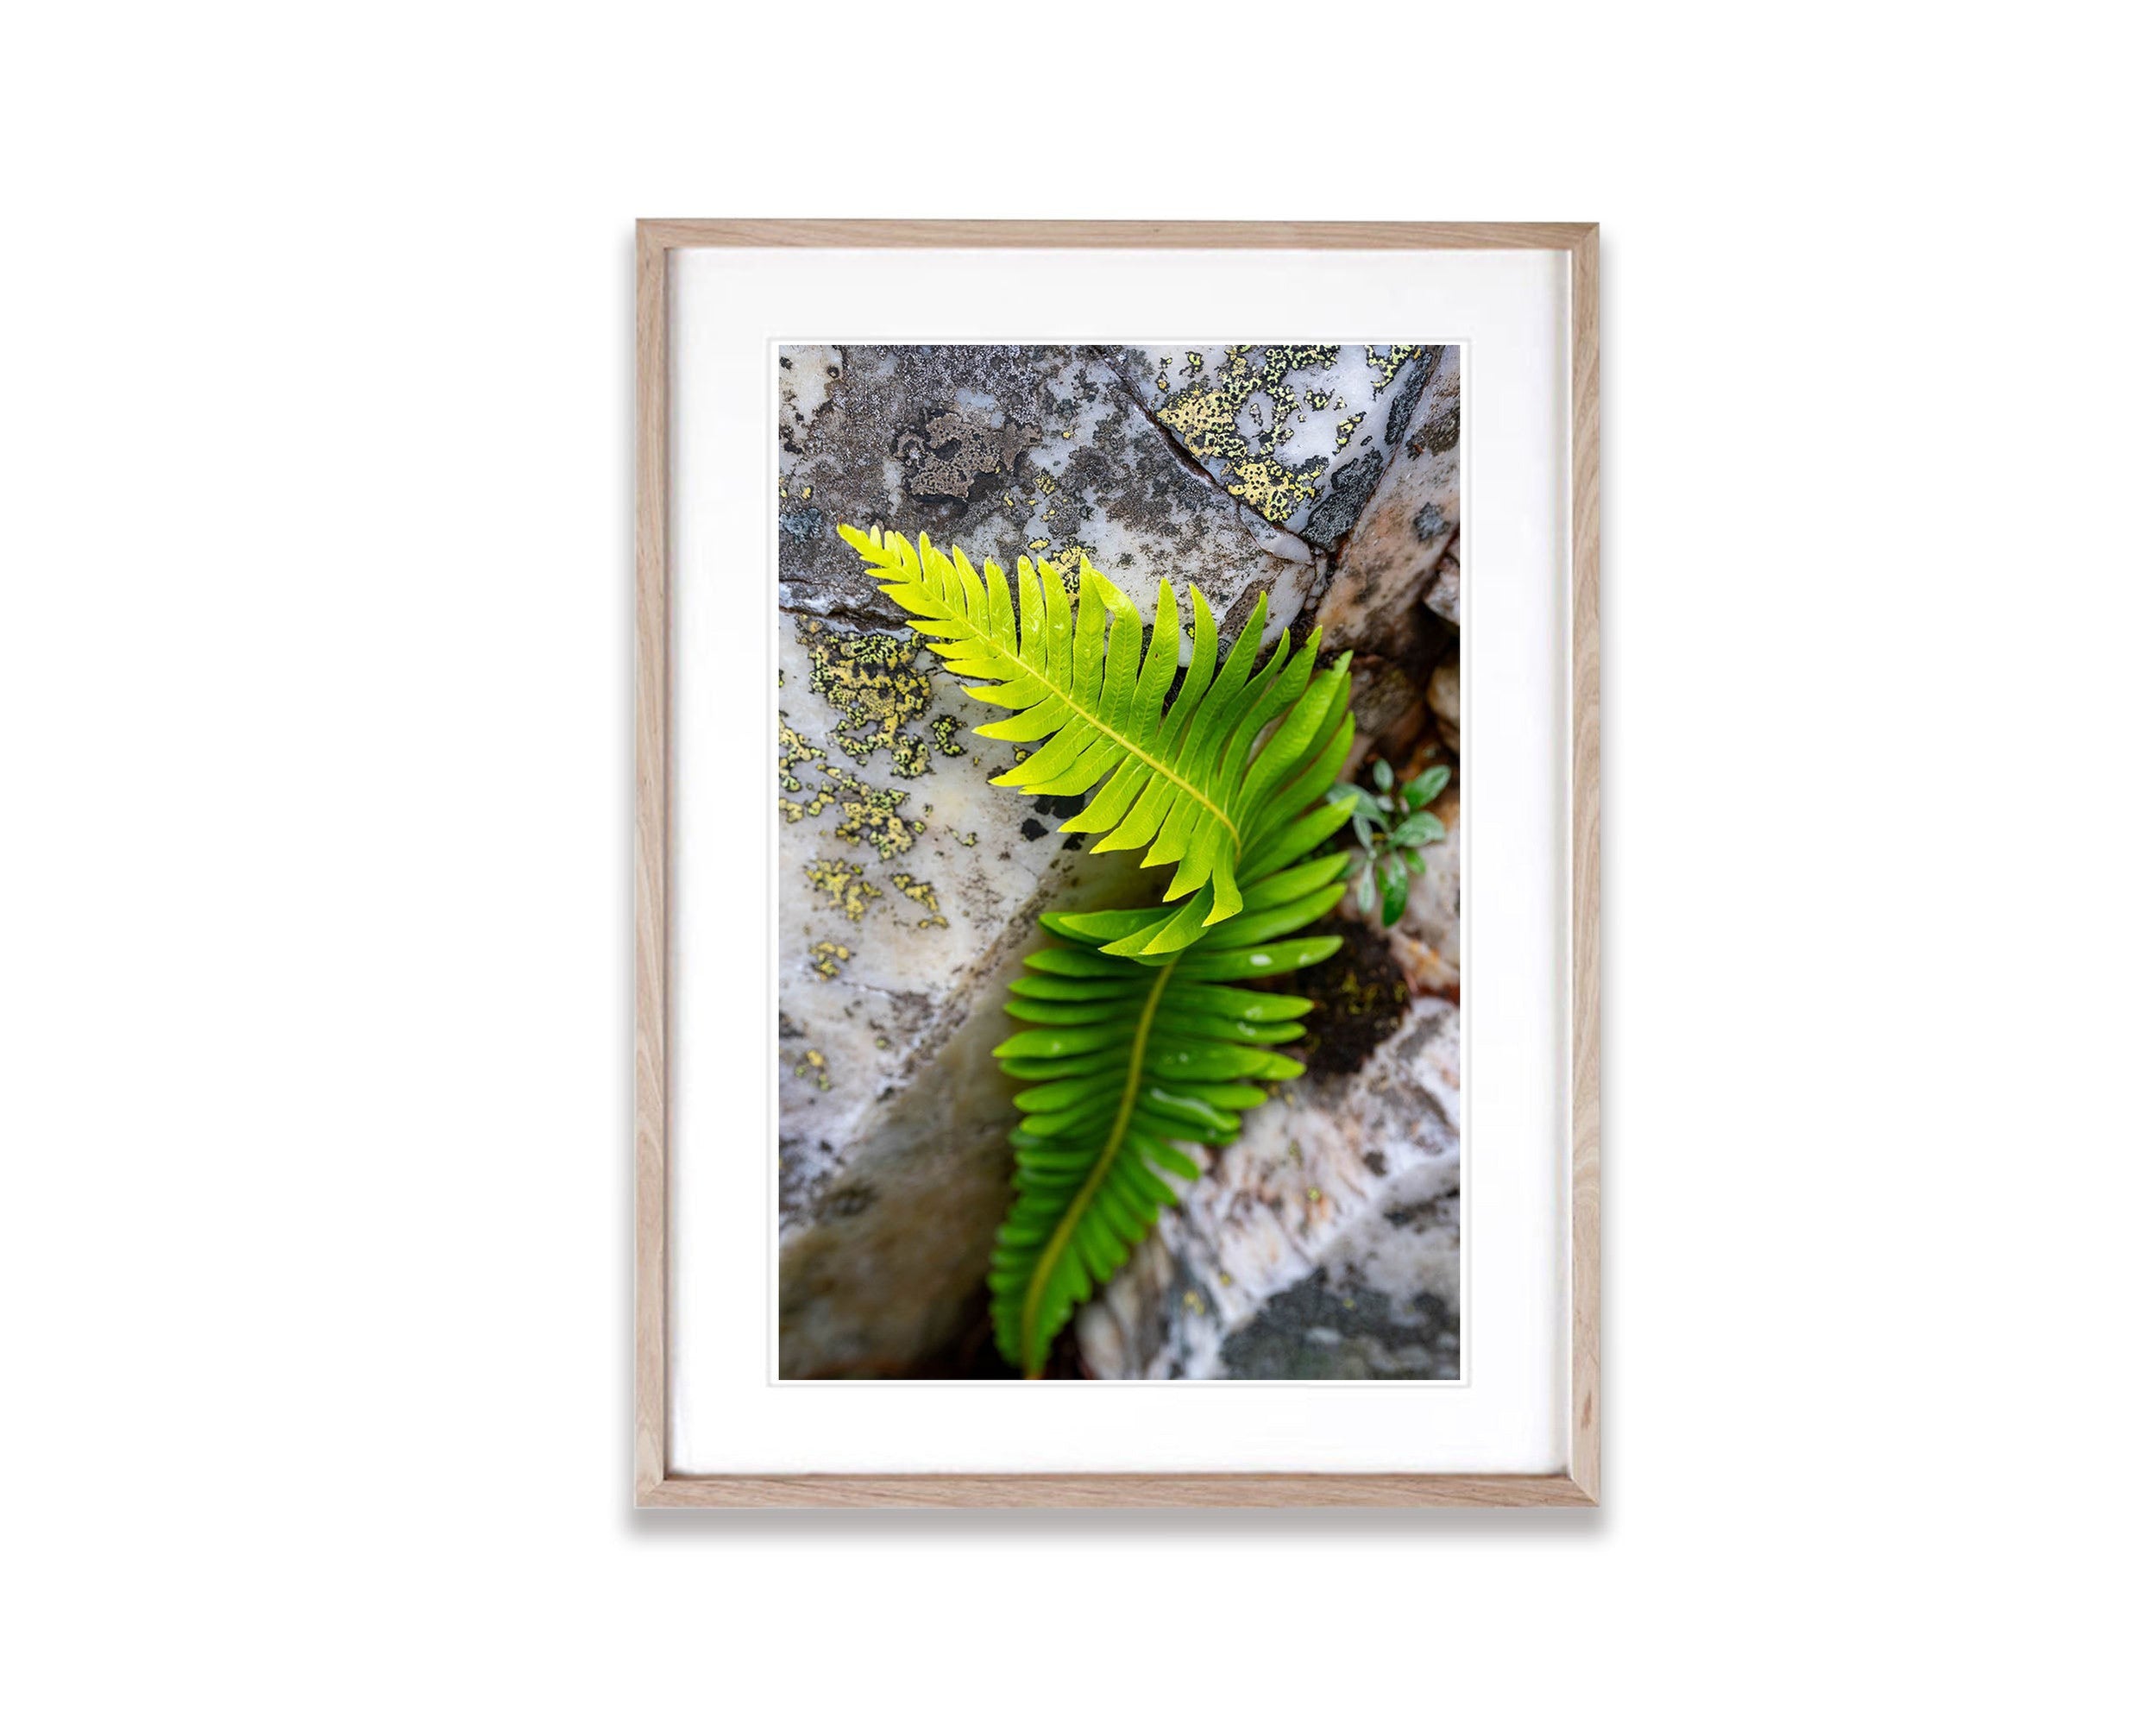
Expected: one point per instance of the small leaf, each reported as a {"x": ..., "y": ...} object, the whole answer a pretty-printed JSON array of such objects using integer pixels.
[
  {"x": 1421, "y": 827},
  {"x": 1365, "y": 892},
  {"x": 1362, "y": 823},
  {"x": 1381, "y": 775},
  {"x": 1424, "y": 786},
  {"x": 1393, "y": 878},
  {"x": 1415, "y": 864},
  {"x": 1342, "y": 793}
]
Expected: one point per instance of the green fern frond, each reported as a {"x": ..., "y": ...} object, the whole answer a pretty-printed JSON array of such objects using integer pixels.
[
  {"x": 1124, "y": 1060},
  {"x": 1220, "y": 780}
]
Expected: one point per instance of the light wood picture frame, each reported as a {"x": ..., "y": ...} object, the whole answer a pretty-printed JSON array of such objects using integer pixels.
[{"x": 1579, "y": 1480}]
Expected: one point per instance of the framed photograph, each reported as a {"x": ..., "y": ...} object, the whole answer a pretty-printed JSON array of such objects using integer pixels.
[{"x": 1116, "y": 850}]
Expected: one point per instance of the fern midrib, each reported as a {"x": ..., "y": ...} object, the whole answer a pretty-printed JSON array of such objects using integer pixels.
[
  {"x": 1036, "y": 1285},
  {"x": 1095, "y": 717}
]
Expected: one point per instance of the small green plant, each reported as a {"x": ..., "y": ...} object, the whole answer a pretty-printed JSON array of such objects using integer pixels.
[
  {"x": 1392, "y": 825},
  {"x": 1138, "y": 1037}
]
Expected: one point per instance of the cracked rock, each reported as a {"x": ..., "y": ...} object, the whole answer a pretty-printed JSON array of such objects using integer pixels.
[
  {"x": 1301, "y": 436},
  {"x": 1007, "y": 452},
  {"x": 1392, "y": 559},
  {"x": 1324, "y": 1244}
]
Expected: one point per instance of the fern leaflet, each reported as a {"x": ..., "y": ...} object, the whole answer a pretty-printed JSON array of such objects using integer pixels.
[
  {"x": 1123, "y": 1058},
  {"x": 1215, "y": 780}
]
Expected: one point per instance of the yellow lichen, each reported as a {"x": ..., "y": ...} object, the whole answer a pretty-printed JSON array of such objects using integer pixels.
[
  {"x": 826, "y": 956},
  {"x": 842, "y": 880},
  {"x": 1220, "y": 418},
  {"x": 924, "y": 895},
  {"x": 872, "y": 682},
  {"x": 793, "y": 750},
  {"x": 1274, "y": 491},
  {"x": 1205, "y": 416},
  {"x": 812, "y": 1065},
  {"x": 1387, "y": 367},
  {"x": 866, "y": 816},
  {"x": 869, "y": 817}
]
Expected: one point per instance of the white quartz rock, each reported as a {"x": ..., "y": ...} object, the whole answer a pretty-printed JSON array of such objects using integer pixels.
[{"x": 1325, "y": 1243}]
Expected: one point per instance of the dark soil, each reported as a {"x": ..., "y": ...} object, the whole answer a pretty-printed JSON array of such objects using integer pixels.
[{"x": 1358, "y": 996}]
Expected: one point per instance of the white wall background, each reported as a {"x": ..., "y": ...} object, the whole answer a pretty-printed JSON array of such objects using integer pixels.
[{"x": 314, "y": 661}]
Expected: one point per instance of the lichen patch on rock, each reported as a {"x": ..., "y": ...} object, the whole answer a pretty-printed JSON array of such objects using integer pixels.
[
  {"x": 842, "y": 882},
  {"x": 876, "y": 685},
  {"x": 1283, "y": 426},
  {"x": 925, "y": 896}
]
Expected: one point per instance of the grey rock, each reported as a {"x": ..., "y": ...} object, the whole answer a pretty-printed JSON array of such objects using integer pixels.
[
  {"x": 1391, "y": 560},
  {"x": 1443, "y": 693},
  {"x": 1007, "y": 452},
  {"x": 1325, "y": 1243},
  {"x": 1301, "y": 435},
  {"x": 1443, "y": 597},
  {"x": 1383, "y": 1302},
  {"x": 1386, "y": 702}
]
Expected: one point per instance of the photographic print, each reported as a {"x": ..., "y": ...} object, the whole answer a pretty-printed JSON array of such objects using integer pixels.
[{"x": 1119, "y": 861}]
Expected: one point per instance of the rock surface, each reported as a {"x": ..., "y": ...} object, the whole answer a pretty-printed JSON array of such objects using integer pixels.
[
  {"x": 1008, "y": 452},
  {"x": 1325, "y": 1243},
  {"x": 1444, "y": 598},
  {"x": 908, "y": 883},
  {"x": 908, "y": 889},
  {"x": 1300, "y": 435},
  {"x": 1411, "y": 520}
]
